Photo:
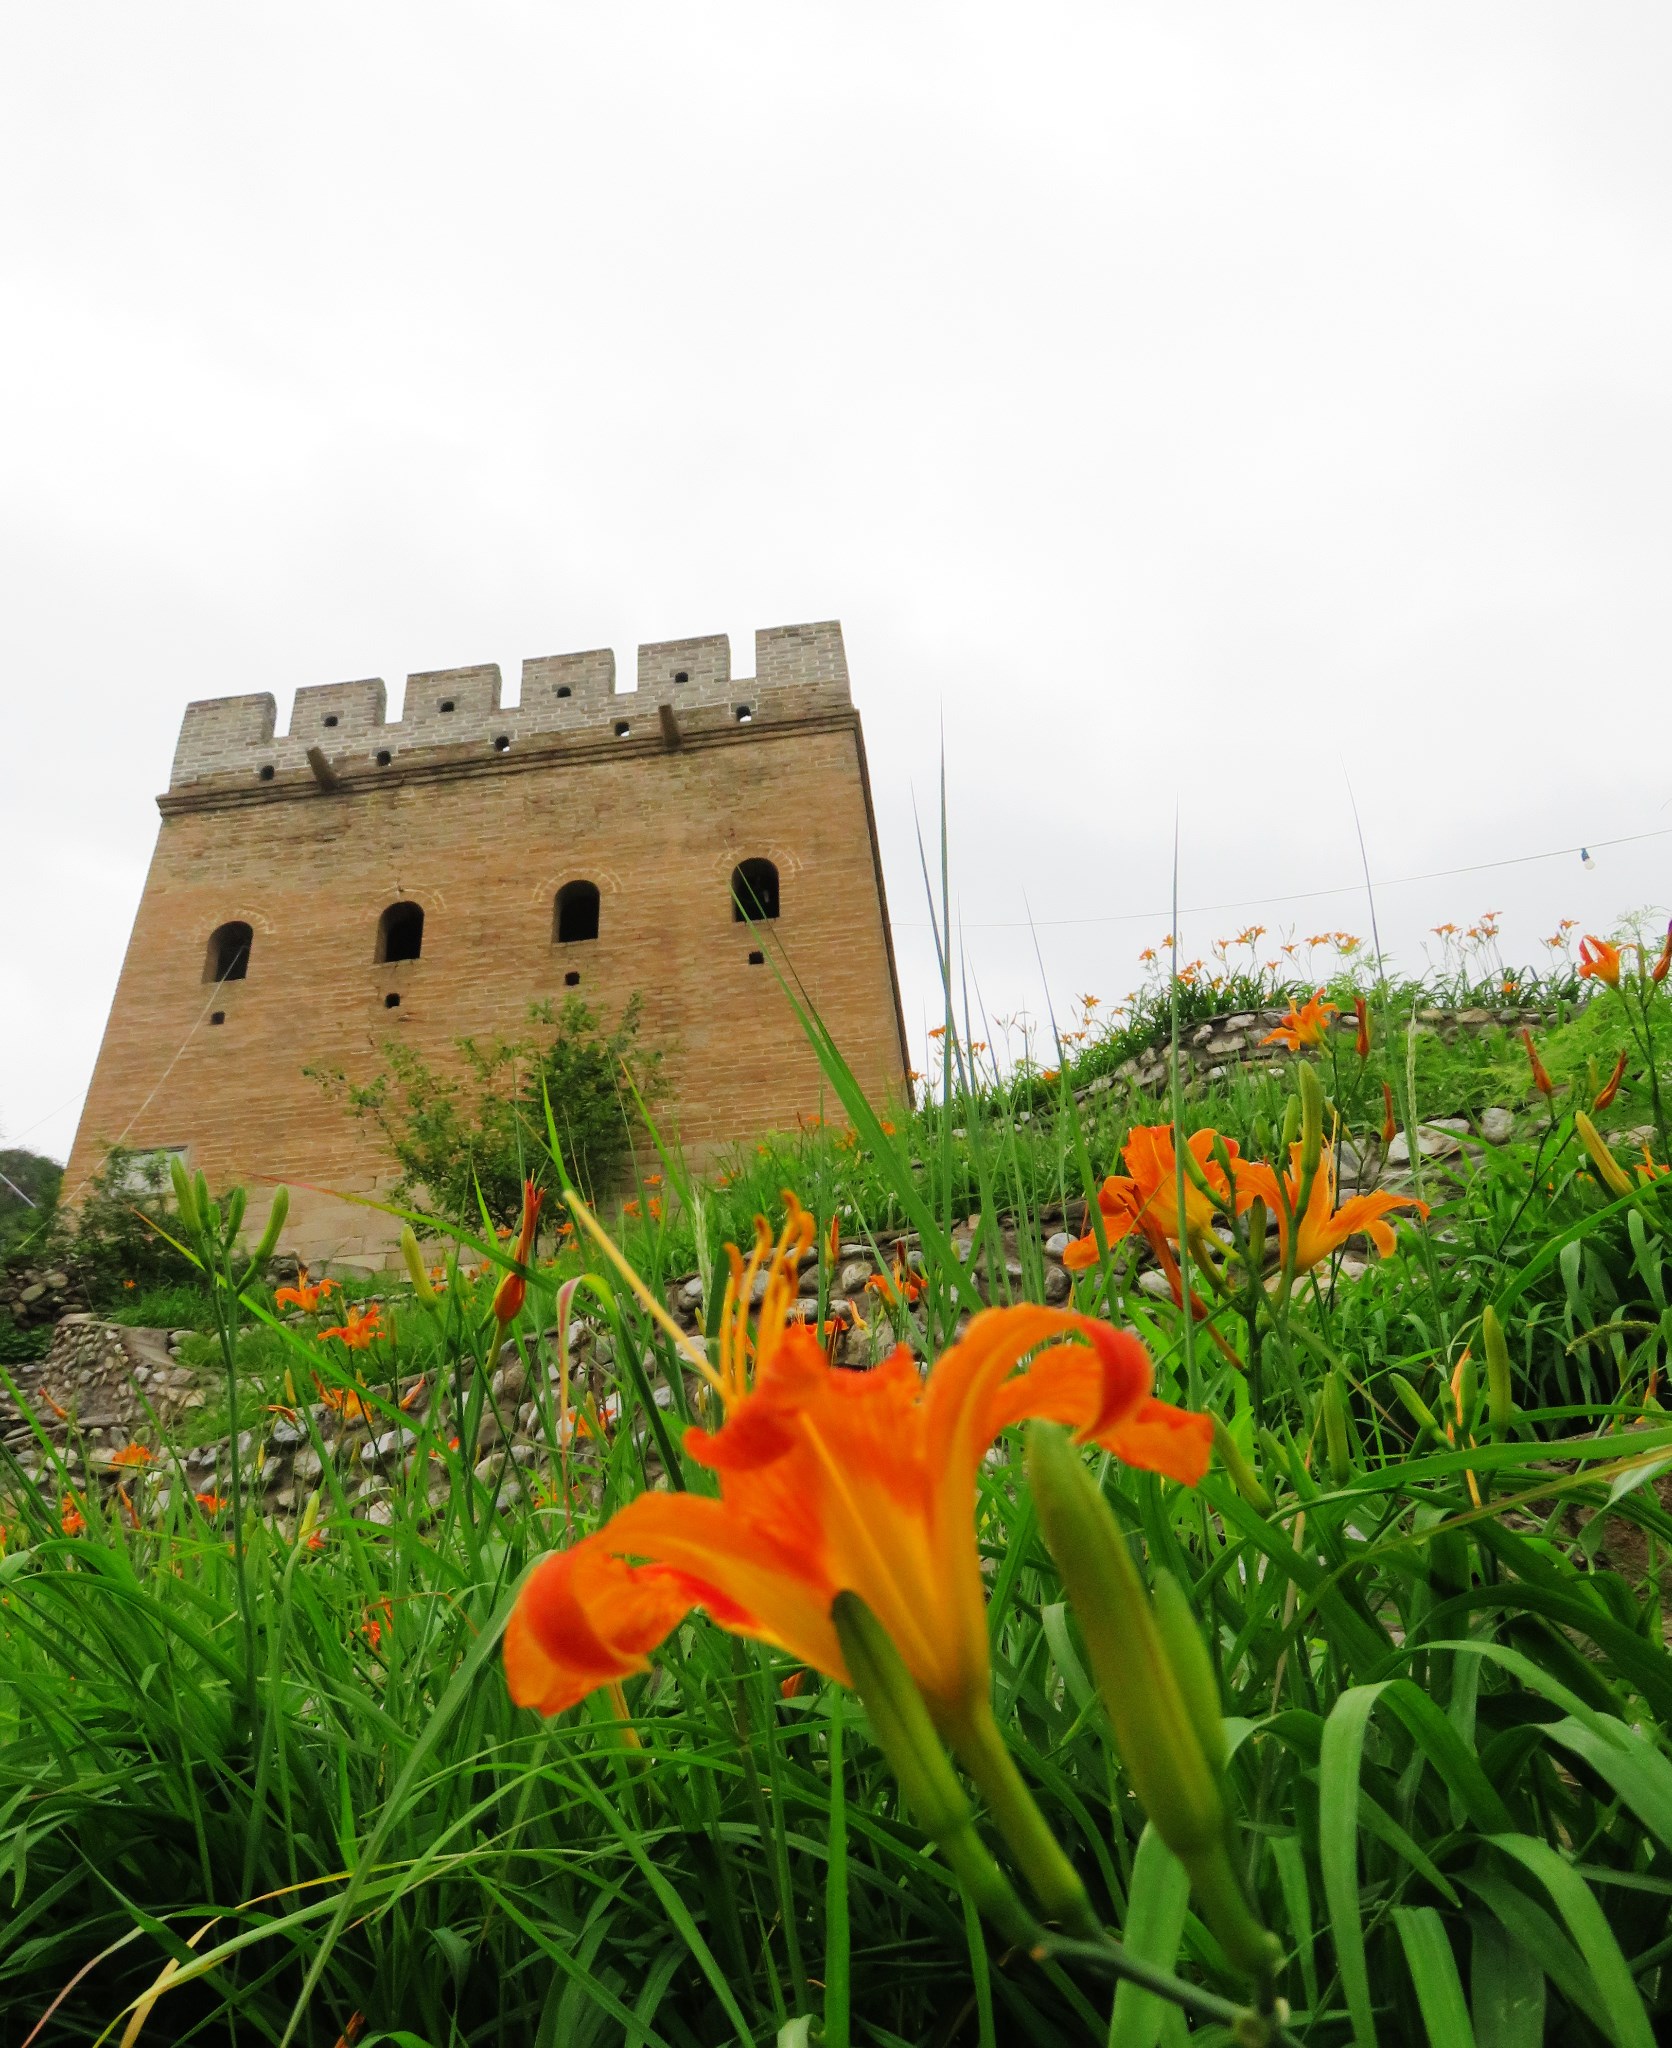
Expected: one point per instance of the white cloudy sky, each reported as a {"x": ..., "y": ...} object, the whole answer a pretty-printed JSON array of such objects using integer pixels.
[{"x": 1186, "y": 405}]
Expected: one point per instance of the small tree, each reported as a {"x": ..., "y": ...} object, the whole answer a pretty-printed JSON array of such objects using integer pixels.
[{"x": 483, "y": 1124}]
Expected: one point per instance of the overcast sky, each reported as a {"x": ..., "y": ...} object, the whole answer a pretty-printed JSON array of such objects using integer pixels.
[{"x": 1188, "y": 407}]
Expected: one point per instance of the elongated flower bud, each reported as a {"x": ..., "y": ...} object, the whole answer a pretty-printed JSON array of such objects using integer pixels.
[
  {"x": 1609, "y": 1170},
  {"x": 1416, "y": 1407},
  {"x": 1192, "y": 1666},
  {"x": 416, "y": 1271},
  {"x": 1361, "y": 1045},
  {"x": 1154, "y": 1730},
  {"x": 1334, "y": 1405},
  {"x": 1311, "y": 1120},
  {"x": 1291, "y": 1121},
  {"x": 906, "y": 1736},
  {"x": 269, "y": 1240},
  {"x": 1541, "y": 1077},
  {"x": 1390, "y": 1123},
  {"x": 1500, "y": 1382},
  {"x": 185, "y": 1196},
  {"x": 1657, "y": 973},
  {"x": 1465, "y": 1390},
  {"x": 1606, "y": 1094},
  {"x": 1242, "y": 1474},
  {"x": 235, "y": 1202},
  {"x": 309, "y": 1521},
  {"x": 509, "y": 1295},
  {"x": 1158, "y": 1711}
]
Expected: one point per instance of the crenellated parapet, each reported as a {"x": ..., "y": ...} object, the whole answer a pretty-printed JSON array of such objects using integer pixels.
[{"x": 683, "y": 687}]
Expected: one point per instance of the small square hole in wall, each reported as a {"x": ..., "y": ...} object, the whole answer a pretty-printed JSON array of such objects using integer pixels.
[
  {"x": 384, "y": 757},
  {"x": 682, "y": 675},
  {"x": 391, "y": 1001},
  {"x": 502, "y": 745},
  {"x": 744, "y": 715},
  {"x": 622, "y": 728},
  {"x": 571, "y": 979},
  {"x": 330, "y": 718},
  {"x": 563, "y": 690},
  {"x": 217, "y": 1016},
  {"x": 757, "y": 959},
  {"x": 446, "y": 704},
  {"x": 267, "y": 772}
]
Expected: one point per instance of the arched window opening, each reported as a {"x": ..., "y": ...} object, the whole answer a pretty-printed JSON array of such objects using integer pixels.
[
  {"x": 400, "y": 932},
  {"x": 229, "y": 952},
  {"x": 575, "y": 914},
  {"x": 754, "y": 891}
]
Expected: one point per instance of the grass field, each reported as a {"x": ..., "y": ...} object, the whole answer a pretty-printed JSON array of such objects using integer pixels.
[{"x": 263, "y": 1781}]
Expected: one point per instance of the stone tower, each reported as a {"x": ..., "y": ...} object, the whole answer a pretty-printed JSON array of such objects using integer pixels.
[{"x": 312, "y": 896}]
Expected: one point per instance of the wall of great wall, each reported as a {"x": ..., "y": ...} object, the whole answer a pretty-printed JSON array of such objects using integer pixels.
[{"x": 799, "y": 671}]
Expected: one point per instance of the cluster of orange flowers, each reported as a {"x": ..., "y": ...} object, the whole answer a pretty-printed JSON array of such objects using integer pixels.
[{"x": 1145, "y": 1199}]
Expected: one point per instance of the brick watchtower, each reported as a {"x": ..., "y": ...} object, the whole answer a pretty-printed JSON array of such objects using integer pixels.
[{"x": 313, "y": 896}]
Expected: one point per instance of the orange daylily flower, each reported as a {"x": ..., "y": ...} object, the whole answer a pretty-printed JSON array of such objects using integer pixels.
[
  {"x": 133, "y": 1457},
  {"x": 1146, "y": 1195},
  {"x": 1611, "y": 1087},
  {"x": 71, "y": 1520},
  {"x": 306, "y": 1298},
  {"x": 1658, "y": 972},
  {"x": 1541, "y": 1074},
  {"x": 792, "y": 1687},
  {"x": 1323, "y": 1228},
  {"x": 509, "y": 1294},
  {"x": 211, "y": 1503},
  {"x": 348, "y": 1404},
  {"x": 1307, "y": 1026},
  {"x": 1599, "y": 961},
  {"x": 1650, "y": 1169},
  {"x": 362, "y": 1326},
  {"x": 1361, "y": 1010},
  {"x": 1390, "y": 1123},
  {"x": 900, "y": 1283},
  {"x": 833, "y": 1481}
]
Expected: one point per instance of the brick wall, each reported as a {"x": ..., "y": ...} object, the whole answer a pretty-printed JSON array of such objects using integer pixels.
[{"x": 483, "y": 839}]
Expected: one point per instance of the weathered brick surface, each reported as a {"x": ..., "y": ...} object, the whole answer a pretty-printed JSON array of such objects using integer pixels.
[{"x": 483, "y": 839}]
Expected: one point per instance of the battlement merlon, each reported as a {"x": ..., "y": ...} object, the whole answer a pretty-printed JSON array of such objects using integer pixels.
[{"x": 801, "y": 667}]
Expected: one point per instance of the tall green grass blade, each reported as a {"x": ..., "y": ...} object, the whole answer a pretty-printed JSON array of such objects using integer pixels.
[{"x": 1439, "y": 1989}]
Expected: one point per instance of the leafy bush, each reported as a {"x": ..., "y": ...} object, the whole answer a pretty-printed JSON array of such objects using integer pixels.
[
  {"x": 483, "y": 1125},
  {"x": 29, "y": 1186}
]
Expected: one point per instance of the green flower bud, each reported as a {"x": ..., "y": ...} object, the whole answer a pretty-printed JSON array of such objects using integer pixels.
[
  {"x": 277, "y": 1212},
  {"x": 1334, "y": 1404},
  {"x": 1156, "y": 1684},
  {"x": 1192, "y": 1666},
  {"x": 1242, "y": 1474},
  {"x": 1415, "y": 1406},
  {"x": 1291, "y": 1121},
  {"x": 1500, "y": 1383},
  {"x": 906, "y": 1736},
  {"x": 185, "y": 1196},
  {"x": 1154, "y": 1729},
  {"x": 1468, "y": 1391},
  {"x": 1257, "y": 1222},
  {"x": 234, "y": 1214},
  {"x": 415, "y": 1268}
]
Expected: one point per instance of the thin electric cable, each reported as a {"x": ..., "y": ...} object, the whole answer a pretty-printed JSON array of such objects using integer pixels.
[{"x": 1479, "y": 867}]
